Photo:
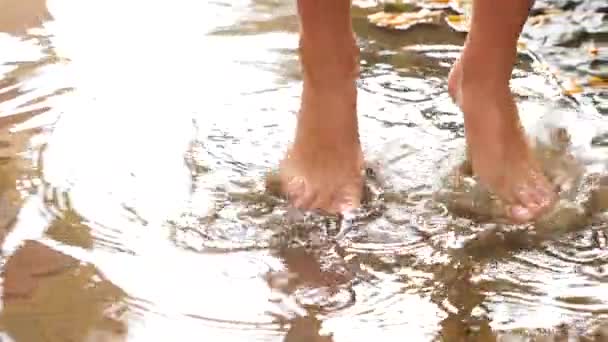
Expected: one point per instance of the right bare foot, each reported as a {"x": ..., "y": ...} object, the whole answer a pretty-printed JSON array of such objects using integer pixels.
[
  {"x": 323, "y": 168},
  {"x": 498, "y": 147}
]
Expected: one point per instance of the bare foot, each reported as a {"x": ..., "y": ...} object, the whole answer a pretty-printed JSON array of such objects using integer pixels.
[
  {"x": 498, "y": 147},
  {"x": 323, "y": 168}
]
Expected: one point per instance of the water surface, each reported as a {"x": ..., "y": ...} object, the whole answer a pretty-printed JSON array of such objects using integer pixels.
[{"x": 134, "y": 140}]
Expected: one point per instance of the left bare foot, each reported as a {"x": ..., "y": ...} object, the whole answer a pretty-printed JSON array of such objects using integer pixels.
[{"x": 497, "y": 145}]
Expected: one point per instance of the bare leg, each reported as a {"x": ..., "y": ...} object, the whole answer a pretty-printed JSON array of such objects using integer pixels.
[
  {"x": 322, "y": 170},
  {"x": 479, "y": 84}
]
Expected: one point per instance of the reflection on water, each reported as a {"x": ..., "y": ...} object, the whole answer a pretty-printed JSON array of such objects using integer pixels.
[
  {"x": 49, "y": 297},
  {"x": 134, "y": 140}
]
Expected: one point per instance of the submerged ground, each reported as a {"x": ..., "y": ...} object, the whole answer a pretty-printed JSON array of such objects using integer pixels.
[{"x": 134, "y": 141}]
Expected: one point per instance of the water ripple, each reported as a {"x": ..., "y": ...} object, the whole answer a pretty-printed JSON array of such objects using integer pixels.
[{"x": 114, "y": 153}]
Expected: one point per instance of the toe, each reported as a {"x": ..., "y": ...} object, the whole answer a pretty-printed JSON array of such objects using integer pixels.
[
  {"x": 344, "y": 204},
  {"x": 520, "y": 213},
  {"x": 307, "y": 200},
  {"x": 526, "y": 197},
  {"x": 532, "y": 200},
  {"x": 299, "y": 194},
  {"x": 545, "y": 193},
  {"x": 337, "y": 202},
  {"x": 542, "y": 194},
  {"x": 348, "y": 199},
  {"x": 525, "y": 207}
]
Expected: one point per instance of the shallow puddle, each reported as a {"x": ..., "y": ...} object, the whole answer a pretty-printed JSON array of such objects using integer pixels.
[{"x": 134, "y": 141}]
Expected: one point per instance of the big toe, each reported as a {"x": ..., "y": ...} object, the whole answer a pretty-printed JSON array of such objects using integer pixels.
[
  {"x": 331, "y": 200},
  {"x": 532, "y": 200},
  {"x": 520, "y": 214},
  {"x": 300, "y": 194}
]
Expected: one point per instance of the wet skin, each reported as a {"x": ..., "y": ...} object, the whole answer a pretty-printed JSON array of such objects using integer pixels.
[
  {"x": 582, "y": 196},
  {"x": 323, "y": 167}
]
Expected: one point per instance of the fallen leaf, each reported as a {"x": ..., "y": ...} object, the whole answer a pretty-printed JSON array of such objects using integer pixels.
[
  {"x": 458, "y": 22},
  {"x": 593, "y": 51},
  {"x": 573, "y": 87},
  {"x": 597, "y": 82},
  {"x": 405, "y": 20}
]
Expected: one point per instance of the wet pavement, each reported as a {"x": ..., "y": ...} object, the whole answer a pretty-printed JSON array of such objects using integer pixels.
[{"x": 135, "y": 138}]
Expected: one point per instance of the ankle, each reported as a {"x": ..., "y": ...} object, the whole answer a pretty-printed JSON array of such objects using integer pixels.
[
  {"x": 328, "y": 120},
  {"x": 331, "y": 127},
  {"x": 328, "y": 65},
  {"x": 454, "y": 81},
  {"x": 485, "y": 69},
  {"x": 314, "y": 144}
]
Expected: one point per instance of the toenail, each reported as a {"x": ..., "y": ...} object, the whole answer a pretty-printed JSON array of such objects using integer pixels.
[{"x": 521, "y": 213}]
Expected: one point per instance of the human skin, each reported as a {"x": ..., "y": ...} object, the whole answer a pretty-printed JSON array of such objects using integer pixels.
[{"x": 323, "y": 167}]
